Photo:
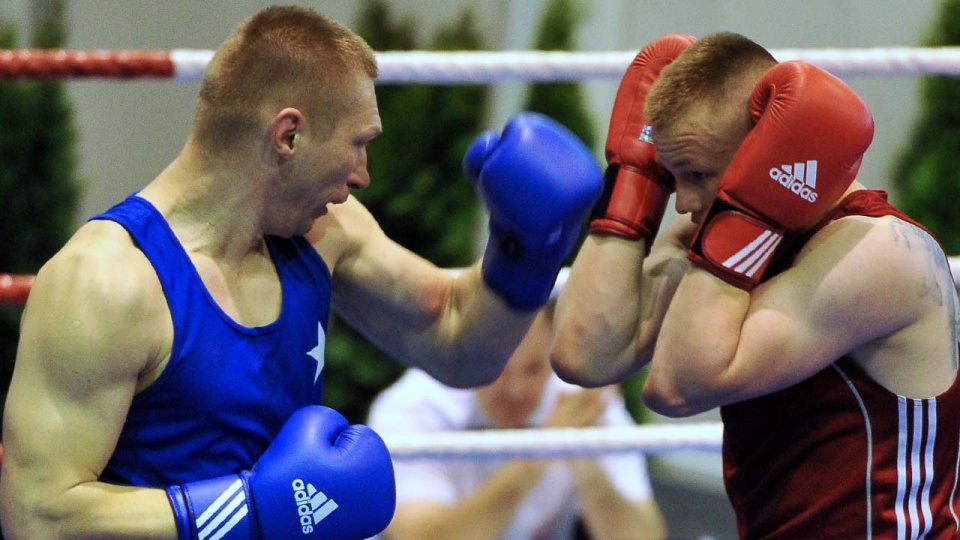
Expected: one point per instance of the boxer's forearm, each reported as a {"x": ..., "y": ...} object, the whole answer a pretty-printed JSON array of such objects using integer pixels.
[
  {"x": 599, "y": 312},
  {"x": 92, "y": 510}
]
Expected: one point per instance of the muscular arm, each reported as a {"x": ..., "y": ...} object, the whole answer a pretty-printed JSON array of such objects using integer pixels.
[
  {"x": 86, "y": 336},
  {"x": 860, "y": 287},
  {"x": 453, "y": 327},
  {"x": 613, "y": 303}
]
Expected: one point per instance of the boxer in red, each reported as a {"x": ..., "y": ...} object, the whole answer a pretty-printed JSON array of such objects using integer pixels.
[{"x": 821, "y": 320}]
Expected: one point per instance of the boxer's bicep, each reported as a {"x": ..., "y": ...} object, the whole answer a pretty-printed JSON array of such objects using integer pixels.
[{"x": 86, "y": 335}]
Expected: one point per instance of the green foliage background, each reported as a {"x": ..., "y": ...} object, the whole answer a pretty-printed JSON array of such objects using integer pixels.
[
  {"x": 562, "y": 101},
  {"x": 926, "y": 173},
  {"x": 39, "y": 189}
]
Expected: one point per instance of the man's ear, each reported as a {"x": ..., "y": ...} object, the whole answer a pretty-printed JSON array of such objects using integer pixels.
[{"x": 286, "y": 127}]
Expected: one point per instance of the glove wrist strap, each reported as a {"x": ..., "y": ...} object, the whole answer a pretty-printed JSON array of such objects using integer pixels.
[
  {"x": 632, "y": 206},
  {"x": 216, "y": 508},
  {"x": 736, "y": 247}
]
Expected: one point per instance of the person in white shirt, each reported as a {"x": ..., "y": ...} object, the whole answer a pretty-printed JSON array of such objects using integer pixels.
[{"x": 604, "y": 496}]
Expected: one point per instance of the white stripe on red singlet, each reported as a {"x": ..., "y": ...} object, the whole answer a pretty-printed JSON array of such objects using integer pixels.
[
  {"x": 953, "y": 492},
  {"x": 928, "y": 466},
  {"x": 915, "y": 457},
  {"x": 914, "y": 469},
  {"x": 901, "y": 469}
]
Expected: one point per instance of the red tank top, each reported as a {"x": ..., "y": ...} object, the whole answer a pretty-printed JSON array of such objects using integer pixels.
[{"x": 839, "y": 456}]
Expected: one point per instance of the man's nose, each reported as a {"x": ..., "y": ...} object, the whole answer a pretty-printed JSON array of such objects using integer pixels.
[
  {"x": 360, "y": 177},
  {"x": 687, "y": 203}
]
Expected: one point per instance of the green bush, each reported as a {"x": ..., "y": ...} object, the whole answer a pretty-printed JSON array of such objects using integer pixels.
[
  {"x": 926, "y": 173},
  {"x": 39, "y": 189},
  {"x": 562, "y": 101}
]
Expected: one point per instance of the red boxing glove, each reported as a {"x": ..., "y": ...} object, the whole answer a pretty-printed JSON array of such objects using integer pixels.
[
  {"x": 636, "y": 188},
  {"x": 798, "y": 160}
]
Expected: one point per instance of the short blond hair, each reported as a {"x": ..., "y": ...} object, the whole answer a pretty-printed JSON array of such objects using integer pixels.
[
  {"x": 281, "y": 56},
  {"x": 707, "y": 71}
]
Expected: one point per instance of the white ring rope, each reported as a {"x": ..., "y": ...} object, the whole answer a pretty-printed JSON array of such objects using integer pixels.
[
  {"x": 486, "y": 66},
  {"x": 555, "y": 443}
]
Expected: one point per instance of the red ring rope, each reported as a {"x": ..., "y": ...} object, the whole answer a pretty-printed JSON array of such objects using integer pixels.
[
  {"x": 59, "y": 63},
  {"x": 14, "y": 289}
]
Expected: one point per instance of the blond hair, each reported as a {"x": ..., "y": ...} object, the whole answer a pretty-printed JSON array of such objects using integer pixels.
[
  {"x": 709, "y": 71},
  {"x": 281, "y": 57}
]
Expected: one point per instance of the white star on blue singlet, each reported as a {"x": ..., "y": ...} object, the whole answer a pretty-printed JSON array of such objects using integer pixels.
[{"x": 317, "y": 352}]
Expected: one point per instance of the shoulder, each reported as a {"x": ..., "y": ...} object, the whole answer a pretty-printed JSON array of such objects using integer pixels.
[
  {"x": 98, "y": 292},
  {"x": 884, "y": 245},
  {"x": 103, "y": 262},
  {"x": 877, "y": 263},
  {"x": 344, "y": 232}
]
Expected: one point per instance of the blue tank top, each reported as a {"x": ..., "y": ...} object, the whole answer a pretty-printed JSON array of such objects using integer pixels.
[{"x": 228, "y": 388}]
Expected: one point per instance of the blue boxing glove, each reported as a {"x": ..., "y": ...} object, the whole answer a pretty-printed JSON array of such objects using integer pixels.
[
  {"x": 320, "y": 478},
  {"x": 537, "y": 180}
]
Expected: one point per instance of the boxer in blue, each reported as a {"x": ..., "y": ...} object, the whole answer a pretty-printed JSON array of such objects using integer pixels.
[{"x": 168, "y": 377}]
